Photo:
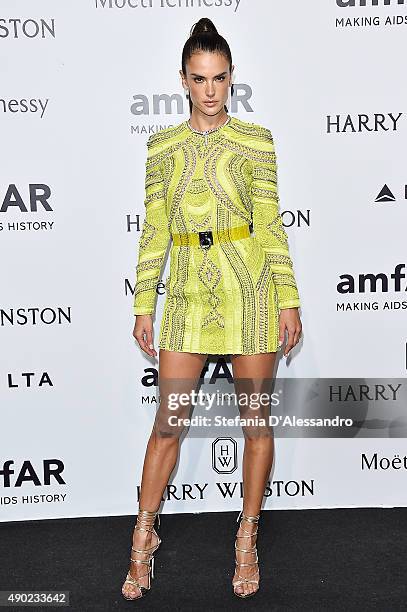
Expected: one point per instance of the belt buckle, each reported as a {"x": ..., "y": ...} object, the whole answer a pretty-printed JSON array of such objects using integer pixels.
[{"x": 205, "y": 239}]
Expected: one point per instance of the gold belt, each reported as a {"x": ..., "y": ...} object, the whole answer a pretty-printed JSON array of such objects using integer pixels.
[{"x": 205, "y": 238}]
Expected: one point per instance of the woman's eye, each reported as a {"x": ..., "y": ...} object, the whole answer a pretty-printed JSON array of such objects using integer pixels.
[{"x": 199, "y": 79}]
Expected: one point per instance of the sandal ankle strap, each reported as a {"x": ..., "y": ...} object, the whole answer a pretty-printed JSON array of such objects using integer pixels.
[
  {"x": 250, "y": 519},
  {"x": 147, "y": 518},
  {"x": 148, "y": 514}
]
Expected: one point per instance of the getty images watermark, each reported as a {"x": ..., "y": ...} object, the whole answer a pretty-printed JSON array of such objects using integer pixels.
[
  {"x": 300, "y": 407},
  {"x": 248, "y": 404}
]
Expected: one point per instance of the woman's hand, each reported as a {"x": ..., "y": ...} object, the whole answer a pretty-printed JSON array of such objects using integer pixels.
[
  {"x": 143, "y": 333},
  {"x": 290, "y": 321}
]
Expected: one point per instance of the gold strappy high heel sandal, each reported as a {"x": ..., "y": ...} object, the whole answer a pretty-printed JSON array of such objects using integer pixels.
[
  {"x": 145, "y": 522},
  {"x": 241, "y": 579}
]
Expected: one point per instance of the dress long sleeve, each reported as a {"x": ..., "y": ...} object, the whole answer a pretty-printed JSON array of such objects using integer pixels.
[
  {"x": 268, "y": 224},
  {"x": 155, "y": 234}
]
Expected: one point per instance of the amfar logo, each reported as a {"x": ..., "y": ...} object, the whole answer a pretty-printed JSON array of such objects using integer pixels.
[
  {"x": 363, "y": 3},
  {"x": 224, "y": 455},
  {"x": 369, "y": 282},
  {"x": 27, "y": 473},
  {"x": 34, "y": 198},
  {"x": 38, "y": 195},
  {"x": 29, "y": 28},
  {"x": 163, "y": 104}
]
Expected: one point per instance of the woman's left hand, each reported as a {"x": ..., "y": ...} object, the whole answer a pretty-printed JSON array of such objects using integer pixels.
[{"x": 290, "y": 321}]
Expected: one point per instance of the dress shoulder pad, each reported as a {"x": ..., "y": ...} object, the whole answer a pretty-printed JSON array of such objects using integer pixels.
[
  {"x": 165, "y": 137},
  {"x": 253, "y": 129}
]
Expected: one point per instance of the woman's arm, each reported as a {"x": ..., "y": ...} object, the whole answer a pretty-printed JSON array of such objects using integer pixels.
[
  {"x": 155, "y": 234},
  {"x": 267, "y": 221}
]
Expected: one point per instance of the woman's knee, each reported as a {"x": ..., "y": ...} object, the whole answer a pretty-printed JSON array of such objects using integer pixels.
[
  {"x": 258, "y": 437},
  {"x": 165, "y": 437}
]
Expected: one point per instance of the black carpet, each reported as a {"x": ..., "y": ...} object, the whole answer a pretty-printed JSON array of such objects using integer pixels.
[{"x": 344, "y": 559}]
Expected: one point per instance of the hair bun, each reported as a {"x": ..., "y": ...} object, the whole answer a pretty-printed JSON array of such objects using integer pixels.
[{"x": 203, "y": 26}]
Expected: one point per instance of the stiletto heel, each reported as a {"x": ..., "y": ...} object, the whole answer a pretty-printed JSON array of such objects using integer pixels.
[
  {"x": 145, "y": 522},
  {"x": 253, "y": 550}
]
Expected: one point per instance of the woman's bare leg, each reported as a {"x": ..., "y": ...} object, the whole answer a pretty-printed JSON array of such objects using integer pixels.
[
  {"x": 178, "y": 373},
  {"x": 255, "y": 372}
]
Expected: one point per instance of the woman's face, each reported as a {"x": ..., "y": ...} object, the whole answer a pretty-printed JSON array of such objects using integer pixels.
[{"x": 208, "y": 79}]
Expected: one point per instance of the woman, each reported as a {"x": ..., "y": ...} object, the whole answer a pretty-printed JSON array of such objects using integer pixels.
[{"x": 209, "y": 181}]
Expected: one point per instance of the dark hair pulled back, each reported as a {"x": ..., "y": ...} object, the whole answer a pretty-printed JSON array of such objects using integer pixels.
[{"x": 205, "y": 37}]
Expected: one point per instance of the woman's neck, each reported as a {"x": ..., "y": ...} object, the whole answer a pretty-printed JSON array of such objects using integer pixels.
[{"x": 202, "y": 122}]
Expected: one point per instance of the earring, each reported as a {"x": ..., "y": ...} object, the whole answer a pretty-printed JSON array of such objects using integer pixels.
[{"x": 187, "y": 93}]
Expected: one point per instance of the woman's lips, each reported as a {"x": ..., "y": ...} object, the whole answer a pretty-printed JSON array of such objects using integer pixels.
[{"x": 212, "y": 103}]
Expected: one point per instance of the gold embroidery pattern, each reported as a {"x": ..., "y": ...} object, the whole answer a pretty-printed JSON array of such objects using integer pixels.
[
  {"x": 237, "y": 168},
  {"x": 213, "y": 181},
  {"x": 266, "y": 174},
  {"x": 262, "y": 287},
  {"x": 277, "y": 229},
  {"x": 210, "y": 276},
  {"x": 145, "y": 286},
  {"x": 247, "y": 332},
  {"x": 175, "y": 311},
  {"x": 185, "y": 178},
  {"x": 265, "y": 193},
  {"x": 268, "y": 319},
  {"x": 225, "y": 299},
  {"x": 199, "y": 226},
  {"x": 147, "y": 234},
  {"x": 198, "y": 186},
  {"x": 149, "y": 264}
]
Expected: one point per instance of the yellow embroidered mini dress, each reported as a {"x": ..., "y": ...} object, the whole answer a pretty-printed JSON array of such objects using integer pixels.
[{"x": 214, "y": 196}]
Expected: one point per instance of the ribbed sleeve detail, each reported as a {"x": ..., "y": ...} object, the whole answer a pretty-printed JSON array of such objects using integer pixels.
[
  {"x": 155, "y": 235},
  {"x": 268, "y": 223}
]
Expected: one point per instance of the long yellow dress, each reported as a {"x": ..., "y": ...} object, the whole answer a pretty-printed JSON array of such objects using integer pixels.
[{"x": 224, "y": 299}]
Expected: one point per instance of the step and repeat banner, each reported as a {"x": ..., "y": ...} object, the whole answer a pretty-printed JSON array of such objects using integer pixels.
[{"x": 83, "y": 84}]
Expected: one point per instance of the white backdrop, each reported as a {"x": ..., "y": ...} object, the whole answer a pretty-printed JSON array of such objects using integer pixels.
[{"x": 327, "y": 78}]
